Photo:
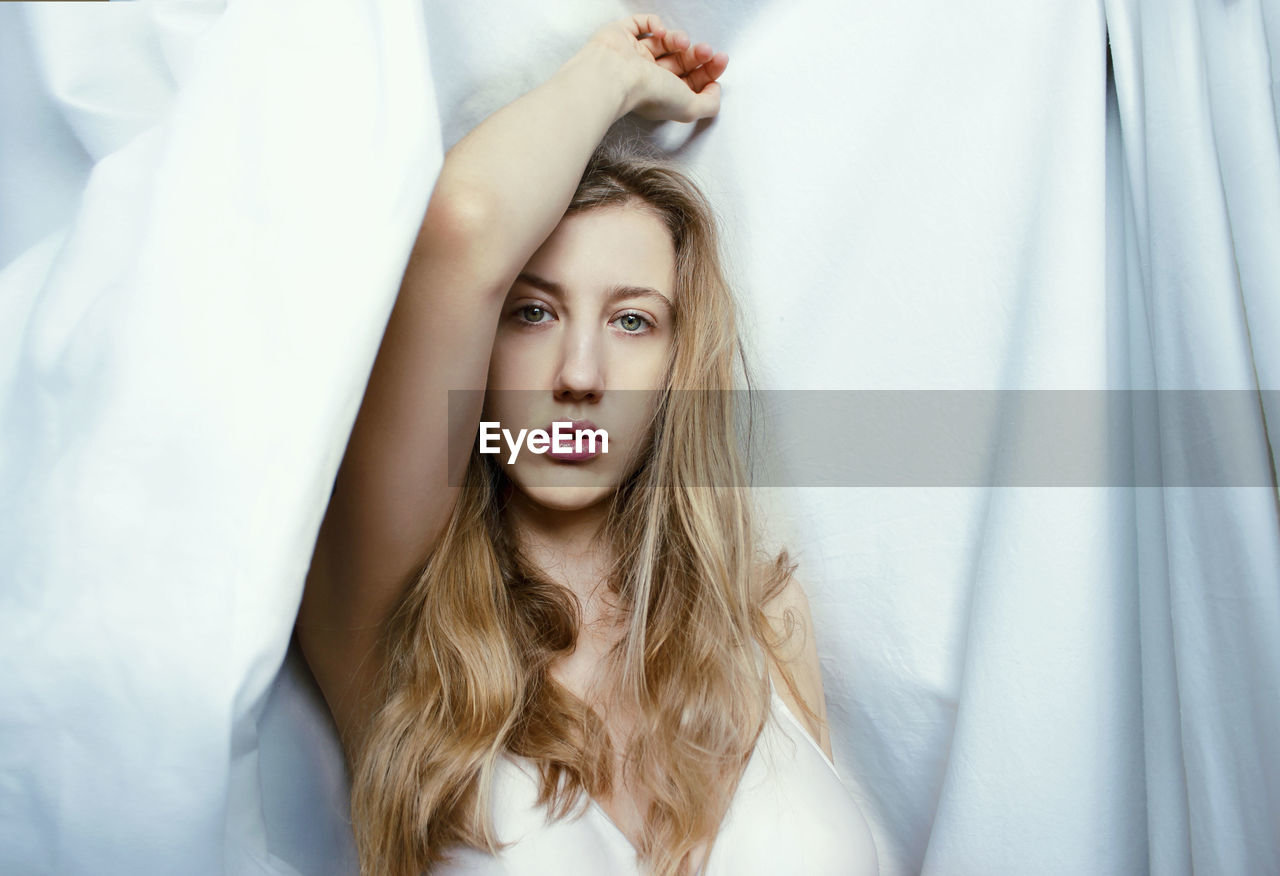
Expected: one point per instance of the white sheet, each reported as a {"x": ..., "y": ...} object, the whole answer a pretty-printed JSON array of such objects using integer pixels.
[
  {"x": 914, "y": 195},
  {"x": 183, "y": 359}
]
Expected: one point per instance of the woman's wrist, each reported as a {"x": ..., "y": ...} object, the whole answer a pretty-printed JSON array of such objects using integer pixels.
[{"x": 600, "y": 69}]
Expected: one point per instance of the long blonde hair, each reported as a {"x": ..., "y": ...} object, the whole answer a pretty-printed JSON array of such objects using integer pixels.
[{"x": 467, "y": 680}]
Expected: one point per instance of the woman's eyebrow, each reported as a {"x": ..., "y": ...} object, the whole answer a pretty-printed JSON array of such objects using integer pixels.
[
  {"x": 538, "y": 283},
  {"x": 615, "y": 293},
  {"x": 618, "y": 292}
]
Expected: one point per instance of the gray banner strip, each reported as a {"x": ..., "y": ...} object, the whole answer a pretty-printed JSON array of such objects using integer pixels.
[{"x": 994, "y": 438}]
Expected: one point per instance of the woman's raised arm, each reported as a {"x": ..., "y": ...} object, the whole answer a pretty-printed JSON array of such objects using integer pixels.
[{"x": 500, "y": 193}]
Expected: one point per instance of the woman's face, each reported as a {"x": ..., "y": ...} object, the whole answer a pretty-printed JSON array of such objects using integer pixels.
[{"x": 585, "y": 334}]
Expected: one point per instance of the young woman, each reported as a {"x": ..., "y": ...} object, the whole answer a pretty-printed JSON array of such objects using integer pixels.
[{"x": 569, "y": 662}]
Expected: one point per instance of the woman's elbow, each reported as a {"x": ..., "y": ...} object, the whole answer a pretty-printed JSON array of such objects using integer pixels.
[{"x": 458, "y": 218}]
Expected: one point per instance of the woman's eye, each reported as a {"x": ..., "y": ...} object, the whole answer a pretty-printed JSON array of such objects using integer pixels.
[
  {"x": 532, "y": 313},
  {"x": 634, "y": 323}
]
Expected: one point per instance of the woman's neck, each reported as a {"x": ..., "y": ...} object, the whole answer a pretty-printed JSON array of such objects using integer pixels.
[
  {"x": 562, "y": 532},
  {"x": 565, "y": 545}
]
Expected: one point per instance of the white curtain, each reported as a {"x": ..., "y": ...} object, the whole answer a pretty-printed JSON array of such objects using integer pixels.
[
  {"x": 1197, "y": 174},
  {"x": 204, "y": 212},
  {"x": 185, "y": 331}
]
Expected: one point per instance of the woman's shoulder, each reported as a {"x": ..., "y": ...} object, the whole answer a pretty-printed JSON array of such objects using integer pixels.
[
  {"x": 794, "y": 664},
  {"x": 781, "y": 596}
]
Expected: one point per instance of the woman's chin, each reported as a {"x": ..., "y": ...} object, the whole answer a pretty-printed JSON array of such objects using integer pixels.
[{"x": 565, "y": 498}]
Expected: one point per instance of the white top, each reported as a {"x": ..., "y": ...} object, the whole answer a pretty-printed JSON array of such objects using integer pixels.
[{"x": 790, "y": 814}]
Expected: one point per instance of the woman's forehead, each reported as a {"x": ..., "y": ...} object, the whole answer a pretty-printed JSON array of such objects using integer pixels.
[{"x": 605, "y": 248}]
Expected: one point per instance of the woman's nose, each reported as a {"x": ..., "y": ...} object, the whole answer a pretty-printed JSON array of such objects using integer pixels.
[{"x": 581, "y": 372}]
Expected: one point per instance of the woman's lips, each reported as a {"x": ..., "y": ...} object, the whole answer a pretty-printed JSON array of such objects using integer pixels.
[{"x": 571, "y": 440}]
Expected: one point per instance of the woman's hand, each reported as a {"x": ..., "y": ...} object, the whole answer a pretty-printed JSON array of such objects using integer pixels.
[{"x": 668, "y": 77}]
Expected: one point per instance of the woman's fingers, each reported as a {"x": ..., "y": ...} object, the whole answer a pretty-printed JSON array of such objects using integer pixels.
[
  {"x": 708, "y": 73},
  {"x": 684, "y": 62},
  {"x": 671, "y": 43},
  {"x": 640, "y": 25},
  {"x": 651, "y": 33}
]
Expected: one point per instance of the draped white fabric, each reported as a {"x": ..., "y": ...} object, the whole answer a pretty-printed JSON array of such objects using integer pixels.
[
  {"x": 204, "y": 212},
  {"x": 185, "y": 344},
  {"x": 1197, "y": 169}
]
